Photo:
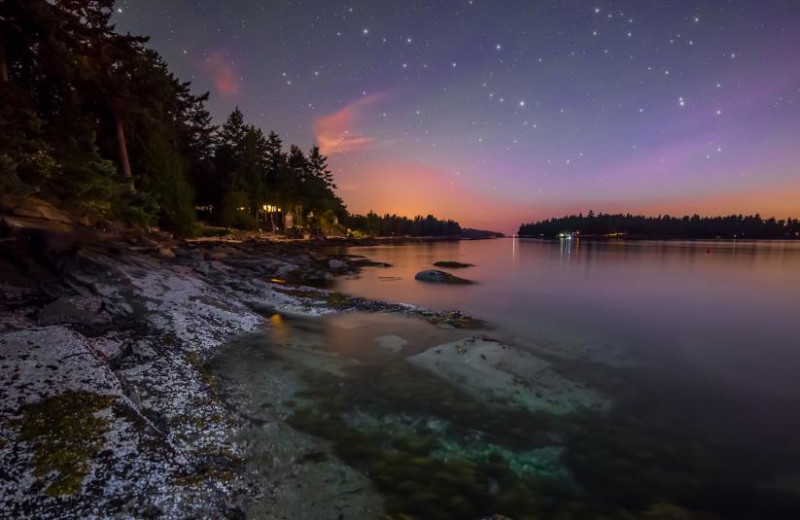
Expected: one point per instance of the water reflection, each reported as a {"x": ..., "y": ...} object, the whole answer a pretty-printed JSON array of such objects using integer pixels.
[{"x": 704, "y": 414}]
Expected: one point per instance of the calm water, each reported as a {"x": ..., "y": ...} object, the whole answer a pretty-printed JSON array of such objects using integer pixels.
[
  {"x": 728, "y": 310},
  {"x": 695, "y": 345}
]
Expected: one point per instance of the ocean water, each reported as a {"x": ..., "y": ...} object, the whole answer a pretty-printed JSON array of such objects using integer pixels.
[{"x": 684, "y": 354}]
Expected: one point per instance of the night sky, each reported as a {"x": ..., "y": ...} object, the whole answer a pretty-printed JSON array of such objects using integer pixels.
[{"x": 497, "y": 111}]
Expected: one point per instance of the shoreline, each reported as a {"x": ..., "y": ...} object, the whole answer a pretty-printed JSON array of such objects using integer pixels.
[{"x": 113, "y": 332}]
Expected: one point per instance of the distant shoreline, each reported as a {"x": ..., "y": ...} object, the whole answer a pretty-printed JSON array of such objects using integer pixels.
[{"x": 660, "y": 239}]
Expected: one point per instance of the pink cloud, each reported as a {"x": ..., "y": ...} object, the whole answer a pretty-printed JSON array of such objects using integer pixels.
[
  {"x": 222, "y": 74},
  {"x": 336, "y": 133}
]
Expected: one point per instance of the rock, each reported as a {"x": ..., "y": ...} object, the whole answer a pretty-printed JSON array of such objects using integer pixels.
[
  {"x": 391, "y": 343},
  {"x": 63, "y": 311},
  {"x": 436, "y": 276},
  {"x": 498, "y": 373},
  {"x": 220, "y": 253},
  {"x": 166, "y": 252},
  {"x": 31, "y": 207},
  {"x": 285, "y": 271},
  {"x": 366, "y": 262},
  {"x": 336, "y": 265},
  {"x": 452, "y": 264}
]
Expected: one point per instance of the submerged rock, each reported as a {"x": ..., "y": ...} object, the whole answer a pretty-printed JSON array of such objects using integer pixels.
[
  {"x": 452, "y": 264},
  {"x": 366, "y": 262},
  {"x": 497, "y": 373},
  {"x": 391, "y": 342},
  {"x": 436, "y": 276}
]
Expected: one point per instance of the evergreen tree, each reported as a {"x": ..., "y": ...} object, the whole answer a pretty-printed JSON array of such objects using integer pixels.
[{"x": 318, "y": 165}]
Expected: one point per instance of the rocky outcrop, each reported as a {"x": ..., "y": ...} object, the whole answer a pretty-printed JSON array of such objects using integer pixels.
[
  {"x": 103, "y": 344},
  {"x": 34, "y": 208},
  {"x": 111, "y": 336}
]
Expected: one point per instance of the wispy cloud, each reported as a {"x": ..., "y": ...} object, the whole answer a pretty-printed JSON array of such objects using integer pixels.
[
  {"x": 222, "y": 74},
  {"x": 336, "y": 133}
]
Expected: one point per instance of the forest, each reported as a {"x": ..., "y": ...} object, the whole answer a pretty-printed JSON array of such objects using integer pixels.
[
  {"x": 665, "y": 226},
  {"x": 94, "y": 122}
]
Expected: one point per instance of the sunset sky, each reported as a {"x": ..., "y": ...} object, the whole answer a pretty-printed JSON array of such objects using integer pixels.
[{"x": 498, "y": 112}]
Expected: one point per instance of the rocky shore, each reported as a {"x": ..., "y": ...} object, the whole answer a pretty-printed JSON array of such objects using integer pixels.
[{"x": 105, "y": 405}]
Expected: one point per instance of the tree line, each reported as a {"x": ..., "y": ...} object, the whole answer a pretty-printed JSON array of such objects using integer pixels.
[
  {"x": 395, "y": 225},
  {"x": 665, "y": 226},
  {"x": 94, "y": 121}
]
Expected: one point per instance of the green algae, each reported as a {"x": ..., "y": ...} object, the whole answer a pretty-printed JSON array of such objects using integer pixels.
[
  {"x": 337, "y": 300},
  {"x": 472, "y": 461},
  {"x": 433, "y": 451},
  {"x": 65, "y": 434},
  {"x": 417, "y": 484},
  {"x": 454, "y": 319}
]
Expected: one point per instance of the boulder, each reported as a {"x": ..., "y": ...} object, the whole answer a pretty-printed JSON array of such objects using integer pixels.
[
  {"x": 336, "y": 265},
  {"x": 436, "y": 276}
]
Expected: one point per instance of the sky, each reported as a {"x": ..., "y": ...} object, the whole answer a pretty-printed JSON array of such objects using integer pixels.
[{"x": 497, "y": 112}]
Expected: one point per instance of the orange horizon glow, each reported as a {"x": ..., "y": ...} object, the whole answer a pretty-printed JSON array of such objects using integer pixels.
[{"x": 413, "y": 189}]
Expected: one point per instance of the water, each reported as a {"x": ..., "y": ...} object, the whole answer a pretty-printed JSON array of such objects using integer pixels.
[{"x": 694, "y": 347}]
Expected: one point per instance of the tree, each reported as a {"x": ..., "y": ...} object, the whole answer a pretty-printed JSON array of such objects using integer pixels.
[
  {"x": 318, "y": 166},
  {"x": 164, "y": 176}
]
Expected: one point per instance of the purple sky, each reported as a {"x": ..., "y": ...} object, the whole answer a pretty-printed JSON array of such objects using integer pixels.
[{"x": 494, "y": 113}]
